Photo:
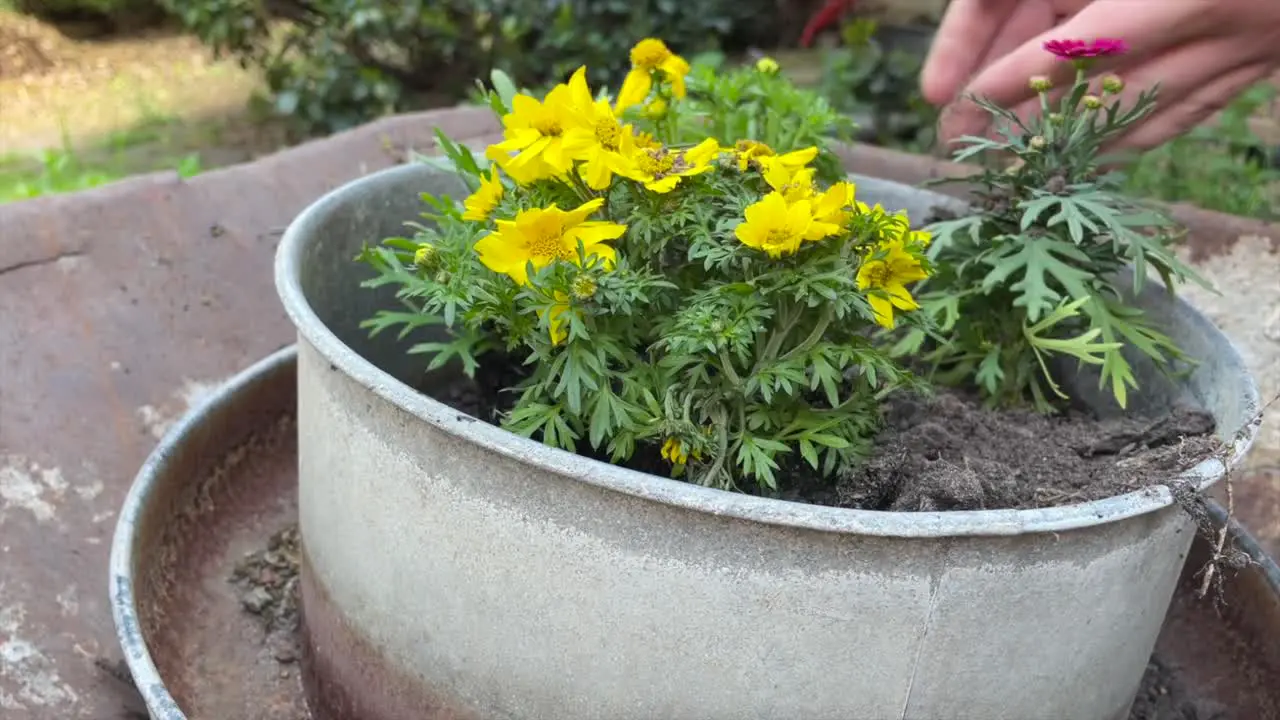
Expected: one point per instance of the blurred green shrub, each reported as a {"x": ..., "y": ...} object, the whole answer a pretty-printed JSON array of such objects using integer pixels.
[
  {"x": 108, "y": 15},
  {"x": 332, "y": 64}
]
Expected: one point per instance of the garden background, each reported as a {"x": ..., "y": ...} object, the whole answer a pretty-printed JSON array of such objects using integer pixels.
[{"x": 95, "y": 90}]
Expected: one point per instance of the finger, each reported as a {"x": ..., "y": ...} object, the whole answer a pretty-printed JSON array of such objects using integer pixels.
[
  {"x": 966, "y": 31},
  {"x": 1173, "y": 118},
  {"x": 1179, "y": 73},
  {"x": 1027, "y": 21},
  {"x": 1004, "y": 82}
]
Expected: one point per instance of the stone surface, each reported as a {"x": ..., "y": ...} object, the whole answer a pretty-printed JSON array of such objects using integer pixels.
[{"x": 121, "y": 306}]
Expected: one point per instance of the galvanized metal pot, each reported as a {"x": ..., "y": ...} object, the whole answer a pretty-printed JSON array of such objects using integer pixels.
[{"x": 454, "y": 570}]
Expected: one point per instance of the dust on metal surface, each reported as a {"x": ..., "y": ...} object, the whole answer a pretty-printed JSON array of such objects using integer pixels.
[{"x": 120, "y": 307}]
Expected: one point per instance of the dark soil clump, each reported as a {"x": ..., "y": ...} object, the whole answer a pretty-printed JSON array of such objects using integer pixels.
[
  {"x": 1163, "y": 696},
  {"x": 951, "y": 453},
  {"x": 266, "y": 583},
  {"x": 948, "y": 452}
]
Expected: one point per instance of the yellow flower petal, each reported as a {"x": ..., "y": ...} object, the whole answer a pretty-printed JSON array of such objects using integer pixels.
[
  {"x": 882, "y": 310},
  {"x": 635, "y": 88}
]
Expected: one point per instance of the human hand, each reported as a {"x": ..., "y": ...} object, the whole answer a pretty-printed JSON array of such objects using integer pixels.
[{"x": 1201, "y": 52}]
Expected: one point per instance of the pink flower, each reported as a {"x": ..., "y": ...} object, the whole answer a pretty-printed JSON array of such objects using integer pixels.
[{"x": 1081, "y": 49}]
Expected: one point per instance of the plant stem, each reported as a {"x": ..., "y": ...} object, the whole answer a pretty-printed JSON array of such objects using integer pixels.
[
  {"x": 775, "y": 340},
  {"x": 726, "y": 365},
  {"x": 824, "y": 321}
]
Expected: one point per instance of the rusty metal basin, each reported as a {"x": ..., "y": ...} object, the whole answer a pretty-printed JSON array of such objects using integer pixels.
[{"x": 222, "y": 482}]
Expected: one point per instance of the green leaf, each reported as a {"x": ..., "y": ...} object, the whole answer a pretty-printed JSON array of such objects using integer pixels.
[
  {"x": 990, "y": 374},
  {"x": 505, "y": 89},
  {"x": 1038, "y": 261}
]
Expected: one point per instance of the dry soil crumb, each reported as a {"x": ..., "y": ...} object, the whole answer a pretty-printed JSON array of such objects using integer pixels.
[
  {"x": 266, "y": 581},
  {"x": 1163, "y": 696}
]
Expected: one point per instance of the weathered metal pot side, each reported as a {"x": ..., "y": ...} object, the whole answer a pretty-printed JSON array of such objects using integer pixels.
[{"x": 455, "y": 570}]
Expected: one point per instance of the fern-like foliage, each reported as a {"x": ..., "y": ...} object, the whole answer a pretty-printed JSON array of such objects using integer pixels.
[{"x": 1036, "y": 271}]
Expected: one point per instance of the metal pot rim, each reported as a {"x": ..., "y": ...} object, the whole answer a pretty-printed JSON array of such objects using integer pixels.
[{"x": 686, "y": 495}]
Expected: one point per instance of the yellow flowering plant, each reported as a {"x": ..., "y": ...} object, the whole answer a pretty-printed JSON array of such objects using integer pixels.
[{"x": 663, "y": 296}]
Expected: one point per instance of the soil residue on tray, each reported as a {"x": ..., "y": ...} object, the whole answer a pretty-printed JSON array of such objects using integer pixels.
[
  {"x": 949, "y": 452},
  {"x": 1164, "y": 696},
  {"x": 266, "y": 583}
]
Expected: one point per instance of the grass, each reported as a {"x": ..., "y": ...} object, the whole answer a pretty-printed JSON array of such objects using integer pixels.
[
  {"x": 145, "y": 147},
  {"x": 109, "y": 109},
  {"x": 1212, "y": 166}
]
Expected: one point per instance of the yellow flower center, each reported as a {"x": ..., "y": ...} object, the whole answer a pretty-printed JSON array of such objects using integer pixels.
[
  {"x": 778, "y": 236},
  {"x": 548, "y": 126},
  {"x": 752, "y": 148},
  {"x": 608, "y": 134},
  {"x": 657, "y": 163},
  {"x": 876, "y": 273},
  {"x": 649, "y": 53},
  {"x": 545, "y": 240}
]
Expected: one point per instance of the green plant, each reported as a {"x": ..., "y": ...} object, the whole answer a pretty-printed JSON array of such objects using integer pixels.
[
  {"x": 332, "y": 64},
  {"x": 762, "y": 106},
  {"x": 1213, "y": 167},
  {"x": 62, "y": 170},
  {"x": 1036, "y": 273},
  {"x": 862, "y": 76},
  {"x": 119, "y": 14},
  {"x": 666, "y": 294}
]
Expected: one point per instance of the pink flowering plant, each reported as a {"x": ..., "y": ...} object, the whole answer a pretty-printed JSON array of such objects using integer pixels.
[{"x": 1036, "y": 276}]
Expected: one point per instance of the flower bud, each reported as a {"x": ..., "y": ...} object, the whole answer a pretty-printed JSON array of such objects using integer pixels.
[
  {"x": 1040, "y": 83},
  {"x": 583, "y": 287},
  {"x": 1036, "y": 142},
  {"x": 1092, "y": 102},
  {"x": 1055, "y": 118},
  {"x": 767, "y": 65},
  {"x": 1112, "y": 84},
  {"x": 425, "y": 256},
  {"x": 656, "y": 110}
]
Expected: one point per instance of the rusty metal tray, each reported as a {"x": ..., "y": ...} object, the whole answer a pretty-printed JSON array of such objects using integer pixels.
[{"x": 202, "y": 586}]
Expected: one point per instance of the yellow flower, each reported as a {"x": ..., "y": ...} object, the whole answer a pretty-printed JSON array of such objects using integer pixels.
[
  {"x": 543, "y": 235},
  {"x": 646, "y": 141},
  {"x": 604, "y": 145},
  {"x": 650, "y": 56},
  {"x": 524, "y": 174},
  {"x": 767, "y": 65},
  {"x": 482, "y": 202},
  {"x": 675, "y": 452},
  {"x": 778, "y": 227},
  {"x": 747, "y": 151},
  {"x": 834, "y": 206},
  {"x": 796, "y": 183},
  {"x": 556, "y": 326},
  {"x": 887, "y": 272},
  {"x": 535, "y": 131},
  {"x": 661, "y": 170}
]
